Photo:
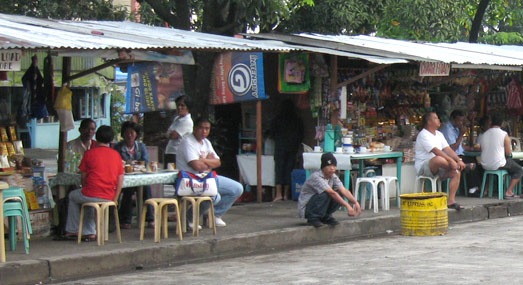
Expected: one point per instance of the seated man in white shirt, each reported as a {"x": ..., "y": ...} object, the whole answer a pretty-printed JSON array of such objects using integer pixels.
[
  {"x": 196, "y": 155},
  {"x": 434, "y": 157},
  {"x": 495, "y": 147}
]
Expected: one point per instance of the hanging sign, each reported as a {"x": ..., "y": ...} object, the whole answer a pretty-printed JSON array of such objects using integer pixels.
[
  {"x": 153, "y": 87},
  {"x": 237, "y": 77},
  {"x": 10, "y": 60},
  {"x": 434, "y": 69}
]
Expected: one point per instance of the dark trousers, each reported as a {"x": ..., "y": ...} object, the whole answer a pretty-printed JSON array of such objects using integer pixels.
[
  {"x": 320, "y": 207},
  {"x": 125, "y": 212},
  {"x": 473, "y": 176}
]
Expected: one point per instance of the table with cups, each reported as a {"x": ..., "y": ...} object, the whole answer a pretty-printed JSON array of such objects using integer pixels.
[{"x": 139, "y": 180}]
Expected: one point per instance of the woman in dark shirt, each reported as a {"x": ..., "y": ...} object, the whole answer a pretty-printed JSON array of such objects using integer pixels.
[{"x": 130, "y": 149}]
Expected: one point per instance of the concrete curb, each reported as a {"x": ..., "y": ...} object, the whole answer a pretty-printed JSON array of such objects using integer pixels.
[{"x": 109, "y": 262}]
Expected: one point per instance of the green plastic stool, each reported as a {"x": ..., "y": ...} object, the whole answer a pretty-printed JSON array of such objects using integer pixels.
[
  {"x": 462, "y": 185},
  {"x": 17, "y": 192},
  {"x": 12, "y": 209},
  {"x": 502, "y": 175}
]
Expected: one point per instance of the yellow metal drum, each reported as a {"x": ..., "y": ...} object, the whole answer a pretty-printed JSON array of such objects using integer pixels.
[{"x": 424, "y": 214}]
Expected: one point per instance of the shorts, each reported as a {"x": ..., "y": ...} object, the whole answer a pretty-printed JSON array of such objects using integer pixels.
[
  {"x": 425, "y": 170},
  {"x": 514, "y": 169}
]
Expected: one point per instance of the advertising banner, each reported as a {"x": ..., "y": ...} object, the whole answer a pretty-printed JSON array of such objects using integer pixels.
[
  {"x": 237, "y": 77},
  {"x": 153, "y": 87}
]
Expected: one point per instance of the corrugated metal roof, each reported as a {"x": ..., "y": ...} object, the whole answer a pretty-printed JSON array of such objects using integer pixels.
[
  {"x": 371, "y": 58},
  {"x": 460, "y": 53},
  {"x": 24, "y": 32},
  {"x": 473, "y": 54}
]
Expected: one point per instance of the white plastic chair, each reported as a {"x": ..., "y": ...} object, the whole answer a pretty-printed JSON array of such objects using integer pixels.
[
  {"x": 374, "y": 182},
  {"x": 435, "y": 183},
  {"x": 388, "y": 182}
]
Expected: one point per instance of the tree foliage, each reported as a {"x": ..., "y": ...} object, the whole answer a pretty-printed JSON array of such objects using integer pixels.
[
  {"x": 334, "y": 17},
  {"x": 426, "y": 20},
  {"x": 65, "y": 9}
]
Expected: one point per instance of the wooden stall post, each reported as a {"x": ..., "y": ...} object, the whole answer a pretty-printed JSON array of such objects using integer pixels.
[
  {"x": 62, "y": 140},
  {"x": 259, "y": 188}
]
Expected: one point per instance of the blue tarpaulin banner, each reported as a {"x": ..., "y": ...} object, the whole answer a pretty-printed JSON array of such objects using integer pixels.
[
  {"x": 237, "y": 77},
  {"x": 153, "y": 87}
]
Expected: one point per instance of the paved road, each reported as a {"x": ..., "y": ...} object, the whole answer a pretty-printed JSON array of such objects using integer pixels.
[{"x": 486, "y": 252}]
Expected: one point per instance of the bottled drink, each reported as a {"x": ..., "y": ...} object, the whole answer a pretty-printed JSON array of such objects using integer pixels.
[{"x": 68, "y": 159}]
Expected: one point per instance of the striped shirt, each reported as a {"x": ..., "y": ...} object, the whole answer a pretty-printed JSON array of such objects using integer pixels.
[{"x": 316, "y": 184}]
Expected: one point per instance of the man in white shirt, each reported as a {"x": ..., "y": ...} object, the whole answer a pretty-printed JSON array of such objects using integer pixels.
[
  {"x": 434, "y": 157},
  {"x": 495, "y": 147},
  {"x": 196, "y": 155},
  {"x": 85, "y": 141}
]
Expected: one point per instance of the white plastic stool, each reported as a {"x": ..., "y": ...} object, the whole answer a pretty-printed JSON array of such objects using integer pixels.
[
  {"x": 374, "y": 182},
  {"x": 435, "y": 183},
  {"x": 388, "y": 181}
]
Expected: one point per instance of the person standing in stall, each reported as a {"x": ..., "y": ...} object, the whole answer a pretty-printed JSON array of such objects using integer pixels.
[
  {"x": 181, "y": 126},
  {"x": 287, "y": 131}
]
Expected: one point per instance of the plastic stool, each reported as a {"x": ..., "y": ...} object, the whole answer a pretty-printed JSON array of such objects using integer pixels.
[
  {"x": 435, "y": 183},
  {"x": 388, "y": 181},
  {"x": 195, "y": 202},
  {"x": 12, "y": 209},
  {"x": 374, "y": 182},
  {"x": 501, "y": 173},
  {"x": 102, "y": 221},
  {"x": 160, "y": 206},
  {"x": 17, "y": 192}
]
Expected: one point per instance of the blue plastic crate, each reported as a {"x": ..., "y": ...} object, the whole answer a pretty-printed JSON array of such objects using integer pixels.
[{"x": 297, "y": 179}]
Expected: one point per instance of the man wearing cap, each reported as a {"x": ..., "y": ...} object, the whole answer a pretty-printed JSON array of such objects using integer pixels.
[{"x": 323, "y": 193}]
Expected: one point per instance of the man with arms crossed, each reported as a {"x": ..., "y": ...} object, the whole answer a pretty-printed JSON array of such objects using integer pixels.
[{"x": 196, "y": 155}]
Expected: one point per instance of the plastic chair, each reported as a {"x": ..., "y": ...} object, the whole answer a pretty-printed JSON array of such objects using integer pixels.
[
  {"x": 195, "y": 202},
  {"x": 374, "y": 182},
  {"x": 102, "y": 221},
  {"x": 160, "y": 207},
  {"x": 388, "y": 181},
  {"x": 17, "y": 192},
  {"x": 435, "y": 183},
  {"x": 12, "y": 209},
  {"x": 501, "y": 174}
]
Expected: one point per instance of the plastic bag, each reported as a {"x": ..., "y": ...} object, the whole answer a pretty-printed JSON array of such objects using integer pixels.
[{"x": 63, "y": 99}]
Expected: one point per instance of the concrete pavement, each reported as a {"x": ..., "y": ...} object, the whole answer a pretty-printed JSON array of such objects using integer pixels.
[
  {"x": 485, "y": 252},
  {"x": 252, "y": 228}
]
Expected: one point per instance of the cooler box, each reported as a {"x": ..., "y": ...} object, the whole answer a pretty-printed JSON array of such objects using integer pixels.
[{"x": 297, "y": 180}]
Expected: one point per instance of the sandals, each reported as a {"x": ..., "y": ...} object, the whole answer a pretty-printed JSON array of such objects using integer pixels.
[
  {"x": 89, "y": 238},
  {"x": 74, "y": 237},
  {"x": 455, "y": 206},
  {"x": 511, "y": 197}
]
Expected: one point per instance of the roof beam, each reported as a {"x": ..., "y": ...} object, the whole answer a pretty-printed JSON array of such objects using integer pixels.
[
  {"x": 362, "y": 75},
  {"x": 94, "y": 69}
]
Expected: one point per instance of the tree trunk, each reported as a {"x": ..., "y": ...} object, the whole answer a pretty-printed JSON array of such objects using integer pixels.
[{"x": 478, "y": 18}]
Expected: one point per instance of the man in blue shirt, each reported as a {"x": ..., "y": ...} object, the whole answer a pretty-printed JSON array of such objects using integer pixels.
[{"x": 453, "y": 131}]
